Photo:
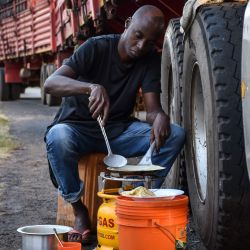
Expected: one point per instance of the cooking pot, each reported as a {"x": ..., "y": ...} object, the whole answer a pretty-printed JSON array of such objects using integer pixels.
[{"x": 41, "y": 237}]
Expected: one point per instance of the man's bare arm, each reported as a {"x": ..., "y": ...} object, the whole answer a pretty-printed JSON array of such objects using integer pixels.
[
  {"x": 152, "y": 105},
  {"x": 63, "y": 83},
  {"x": 157, "y": 118}
]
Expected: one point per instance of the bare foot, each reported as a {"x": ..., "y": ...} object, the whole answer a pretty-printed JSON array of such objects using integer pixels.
[{"x": 82, "y": 221}]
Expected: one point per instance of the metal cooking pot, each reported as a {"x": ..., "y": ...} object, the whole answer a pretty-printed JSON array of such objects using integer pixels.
[{"x": 41, "y": 237}]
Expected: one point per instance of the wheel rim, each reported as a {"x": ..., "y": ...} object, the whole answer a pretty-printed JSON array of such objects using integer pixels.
[{"x": 199, "y": 134}]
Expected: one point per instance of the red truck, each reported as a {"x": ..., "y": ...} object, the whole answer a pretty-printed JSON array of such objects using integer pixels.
[
  {"x": 201, "y": 89},
  {"x": 37, "y": 35}
]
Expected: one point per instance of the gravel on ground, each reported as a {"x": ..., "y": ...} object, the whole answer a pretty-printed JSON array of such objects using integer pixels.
[{"x": 27, "y": 196}]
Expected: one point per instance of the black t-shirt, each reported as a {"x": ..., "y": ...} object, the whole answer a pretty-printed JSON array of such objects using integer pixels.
[{"x": 97, "y": 61}]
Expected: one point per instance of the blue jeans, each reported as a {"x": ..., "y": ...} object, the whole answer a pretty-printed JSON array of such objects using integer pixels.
[{"x": 66, "y": 145}]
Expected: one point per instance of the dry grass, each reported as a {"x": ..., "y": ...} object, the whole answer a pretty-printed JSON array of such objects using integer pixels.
[{"x": 7, "y": 144}]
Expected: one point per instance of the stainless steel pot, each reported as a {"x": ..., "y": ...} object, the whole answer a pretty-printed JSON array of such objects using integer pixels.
[{"x": 41, "y": 237}]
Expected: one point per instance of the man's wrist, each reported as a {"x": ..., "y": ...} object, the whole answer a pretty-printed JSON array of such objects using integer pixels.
[
  {"x": 150, "y": 117},
  {"x": 91, "y": 87},
  {"x": 162, "y": 113}
]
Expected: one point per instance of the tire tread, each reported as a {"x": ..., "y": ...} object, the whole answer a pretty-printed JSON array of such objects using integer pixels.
[{"x": 225, "y": 56}]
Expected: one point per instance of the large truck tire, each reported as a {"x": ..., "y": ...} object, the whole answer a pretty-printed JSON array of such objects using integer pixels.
[
  {"x": 171, "y": 84},
  {"x": 4, "y": 88},
  {"x": 218, "y": 184},
  {"x": 16, "y": 89}
]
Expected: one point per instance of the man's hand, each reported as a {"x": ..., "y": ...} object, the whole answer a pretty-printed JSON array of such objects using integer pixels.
[
  {"x": 160, "y": 130},
  {"x": 157, "y": 118},
  {"x": 99, "y": 102}
]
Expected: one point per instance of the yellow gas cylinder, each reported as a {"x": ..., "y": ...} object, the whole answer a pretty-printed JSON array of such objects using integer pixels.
[{"x": 107, "y": 228}]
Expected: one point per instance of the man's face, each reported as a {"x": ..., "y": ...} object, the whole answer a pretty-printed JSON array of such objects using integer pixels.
[{"x": 140, "y": 38}]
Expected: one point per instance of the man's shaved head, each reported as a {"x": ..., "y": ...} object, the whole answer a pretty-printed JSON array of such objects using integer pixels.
[
  {"x": 141, "y": 33},
  {"x": 152, "y": 14}
]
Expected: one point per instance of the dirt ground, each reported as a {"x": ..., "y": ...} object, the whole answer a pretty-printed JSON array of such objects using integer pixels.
[{"x": 27, "y": 196}]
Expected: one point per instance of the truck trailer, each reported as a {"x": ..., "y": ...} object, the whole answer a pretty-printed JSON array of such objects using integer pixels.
[
  {"x": 204, "y": 80},
  {"x": 37, "y": 35}
]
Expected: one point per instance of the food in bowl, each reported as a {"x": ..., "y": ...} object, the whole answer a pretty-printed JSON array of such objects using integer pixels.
[{"x": 138, "y": 192}]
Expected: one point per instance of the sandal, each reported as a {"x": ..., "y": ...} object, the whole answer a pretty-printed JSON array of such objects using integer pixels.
[{"x": 85, "y": 237}]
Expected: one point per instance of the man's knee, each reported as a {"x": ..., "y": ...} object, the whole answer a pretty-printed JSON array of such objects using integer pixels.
[{"x": 60, "y": 136}]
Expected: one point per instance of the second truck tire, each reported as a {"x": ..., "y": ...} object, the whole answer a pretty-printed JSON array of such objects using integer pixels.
[{"x": 171, "y": 84}]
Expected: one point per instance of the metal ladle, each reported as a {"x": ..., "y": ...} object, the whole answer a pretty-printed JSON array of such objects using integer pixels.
[
  {"x": 57, "y": 237},
  {"x": 111, "y": 160}
]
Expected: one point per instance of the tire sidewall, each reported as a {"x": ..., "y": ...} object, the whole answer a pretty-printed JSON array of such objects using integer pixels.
[
  {"x": 170, "y": 63},
  {"x": 170, "y": 89},
  {"x": 204, "y": 213}
]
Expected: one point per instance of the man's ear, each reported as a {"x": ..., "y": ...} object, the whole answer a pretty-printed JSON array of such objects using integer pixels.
[{"x": 127, "y": 22}]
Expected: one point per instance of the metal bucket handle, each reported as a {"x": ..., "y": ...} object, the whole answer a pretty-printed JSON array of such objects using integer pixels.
[{"x": 169, "y": 235}]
